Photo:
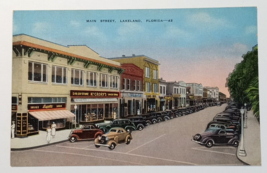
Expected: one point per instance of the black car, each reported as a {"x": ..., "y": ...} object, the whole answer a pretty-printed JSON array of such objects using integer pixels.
[
  {"x": 139, "y": 122},
  {"x": 224, "y": 125},
  {"x": 222, "y": 118},
  {"x": 217, "y": 136},
  {"x": 232, "y": 116},
  {"x": 150, "y": 118},
  {"x": 233, "y": 110},
  {"x": 162, "y": 116},
  {"x": 171, "y": 114},
  {"x": 123, "y": 123}
]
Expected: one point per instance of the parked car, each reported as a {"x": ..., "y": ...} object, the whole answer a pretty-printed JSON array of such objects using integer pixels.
[
  {"x": 223, "y": 125},
  {"x": 217, "y": 136},
  {"x": 233, "y": 110},
  {"x": 87, "y": 132},
  {"x": 161, "y": 116},
  {"x": 139, "y": 122},
  {"x": 232, "y": 116},
  {"x": 171, "y": 114},
  {"x": 150, "y": 118},
  {"x": 123, "y": 123},
  {"x": 111, "y": 139}
]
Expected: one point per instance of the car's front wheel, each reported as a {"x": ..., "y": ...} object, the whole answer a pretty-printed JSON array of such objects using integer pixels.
[
  {"x": 235, "y": 144},
  {"x": 140, "y": 128},
  {"x": 128, "y": 141},
  {"x": 129, "y": 130},
  {"x": 154, "y": 121},
  {"x": 209, "y": 144},
  {"x": 112, "y": 146},
  {"x": 73, "y": 139},
  {"x": 97, "y": 146}
]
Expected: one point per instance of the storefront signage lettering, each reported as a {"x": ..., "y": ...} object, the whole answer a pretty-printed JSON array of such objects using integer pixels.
[
  {"x": 134, "y": 95},
  {"x": 94, "y": 94},
  {"x": 14, "y": 107},
  {"x": 46, "y": 106}
]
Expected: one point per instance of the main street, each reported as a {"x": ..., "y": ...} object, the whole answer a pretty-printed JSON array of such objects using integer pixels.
[{"x": 165, "y": 143}]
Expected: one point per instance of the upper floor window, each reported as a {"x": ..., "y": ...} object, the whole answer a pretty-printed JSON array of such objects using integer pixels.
[
  {"x": 147, "y": 72},
  {"x": 91, "y": 79},
  {"x": 114, "y": 82},
  {"x": 160, "y": 90},
  {"x": 59, "y": 74},
  {"x": 37, "y": 72},
  {"x": 148, "y": 87},
  {"x": 76, "y": 77},
  {"x": 164, "y": 90},
  {"x": 103, "y": 80},
  {"x": 128, "y": 84},
  {"x": 156, "y": 88},
  {"x": 155, "y": 74},
  {"x": 47, "y": 99},
  {"x": 139, "y": 85}
]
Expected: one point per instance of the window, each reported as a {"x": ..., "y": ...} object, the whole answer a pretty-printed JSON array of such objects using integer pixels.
[
  {"x": 47, "y": 99},
  {"x": 164, "y": 90},
  {"x": 114, "y": 81},
  {"x": 128, "y": 84},
  {"x": 124, "y": 84},
  {"x": 155, "y": 74},
  {"x": 104, "y": 80},
  {"x": 156, "y": 88},
  {"x": 147, "y": 72},
  {"x": 148, "y": 87},
  {"x": 91, "y": 79},
  {"x": 76, "y": 77},
  {"x": 139, "y": 86},
  {"x": 161, "y": 92},
  {"x": 135, "y": 85},
  {"x": 59, "y": 75},
  {"x": 37, "y": 72}
]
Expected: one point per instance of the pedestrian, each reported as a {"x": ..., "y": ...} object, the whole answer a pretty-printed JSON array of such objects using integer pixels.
[
  {"x": 48, "y": 136},
  {"x": 53, "y": 127},
  {"x": 13, "y": 126}
]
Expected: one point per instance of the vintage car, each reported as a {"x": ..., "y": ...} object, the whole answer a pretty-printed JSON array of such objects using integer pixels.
[
  {"x": 171, "y": 113},
  {"x": 162, "y": 116},
  {"x": 232, "y": 116},
  {"x": 233, "y": 110},
  {"x": 223, "y": 125},
  {"x": 223, "y": 118},
  {"x": 139, "y": 122},
  {"x": 150, "y": 118},
  {"x": 123, "y": 123},
  {"x": 217, "y": 136},
  {"x": 87, "y": 132},
  {"x": 111, "y": 139}
]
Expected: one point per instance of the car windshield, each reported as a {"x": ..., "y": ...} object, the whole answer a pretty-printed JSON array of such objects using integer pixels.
[
  {"x": 113, "y": 130},
  {"x": 211, "y": 130}
]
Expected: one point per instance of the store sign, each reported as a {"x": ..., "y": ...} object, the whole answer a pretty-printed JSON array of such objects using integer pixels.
[
  {"x": 93, "y": 94},
  {"x": 46, "y": 106},
  {"x": 134, "y": 95},
  {"x": 151, "y": 96},
  {"x": 162, "y": 100}
]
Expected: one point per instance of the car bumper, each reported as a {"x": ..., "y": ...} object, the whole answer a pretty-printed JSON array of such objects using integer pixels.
[
  {"x": 103, "y": 145},
  {"x": 201, "y": 143}
]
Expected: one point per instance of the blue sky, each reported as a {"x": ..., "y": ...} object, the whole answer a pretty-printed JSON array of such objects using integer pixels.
[{"x": 200, "y": 45}]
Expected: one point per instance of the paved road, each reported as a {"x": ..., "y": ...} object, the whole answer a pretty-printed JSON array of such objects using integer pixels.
[{"x": 166, "y": 143}]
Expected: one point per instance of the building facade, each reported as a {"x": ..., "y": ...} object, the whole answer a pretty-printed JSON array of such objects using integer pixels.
[
  {"x": 150, "y": 69},
  {"x": 62, "y": 84},
  {"x": 132, "y": 95},
  {"x": 162, "y": 91},
  {"x": 212, "y": 93},
  {"x": 195, "y": 94},
  {"x": 176, "y": 94}
]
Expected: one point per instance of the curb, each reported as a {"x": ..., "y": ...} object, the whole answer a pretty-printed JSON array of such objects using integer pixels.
[
  {"x": 240, "y": 159},
  {"x": 27, "y": 148}
]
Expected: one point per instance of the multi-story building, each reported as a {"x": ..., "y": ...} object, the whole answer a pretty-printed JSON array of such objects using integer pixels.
[
  {"x": 132, "y": 95},
  {"x": 150, "y": 82},
  {"x": 176, "y": 91},
  {"x": 52, "y": 83},
  {"x": 213, "y": 92},
  {"x": 196, "y": 93},
  {"x": 162, "y": 91},
  {"x": 222, "y": 97}
]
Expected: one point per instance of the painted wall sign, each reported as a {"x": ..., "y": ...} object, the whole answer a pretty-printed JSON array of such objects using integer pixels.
[
  {"x": 94, "y": 94},
  {"x": 14, "y": 107}
]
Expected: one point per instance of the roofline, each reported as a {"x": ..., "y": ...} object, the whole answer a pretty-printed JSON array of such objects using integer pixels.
[{"x": 136, "y": 56}]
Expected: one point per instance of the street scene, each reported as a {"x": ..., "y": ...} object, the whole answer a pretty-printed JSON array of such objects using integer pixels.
[
  {"x": 160, "y": 87},
  {"x": 165, "y": 143}
]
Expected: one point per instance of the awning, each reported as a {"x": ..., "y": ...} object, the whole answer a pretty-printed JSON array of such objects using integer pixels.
[{"x": 52, "y": 115}]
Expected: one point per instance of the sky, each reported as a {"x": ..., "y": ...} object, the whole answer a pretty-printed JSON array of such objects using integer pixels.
[{"x": 199, "y": 45}]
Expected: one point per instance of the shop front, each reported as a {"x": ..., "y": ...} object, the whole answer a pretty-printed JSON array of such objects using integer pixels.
[
  {"x": 152, "y": 103},
  {"x": 94, "y": 106},
  {"x": 131, "y": 103},
  {"x": 162, "y": 105}
]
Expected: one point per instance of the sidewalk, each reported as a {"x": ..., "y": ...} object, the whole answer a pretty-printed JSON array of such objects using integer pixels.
[
  {"x": 252, "y": 143},
  {"x": 39, "y": 140}
]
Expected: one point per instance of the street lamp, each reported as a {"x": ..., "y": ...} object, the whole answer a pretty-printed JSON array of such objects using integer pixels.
[
  {"x": 246, "y": 125},
  {"x": 242, "y": 151},
  {"x": 75, "y": 107}
]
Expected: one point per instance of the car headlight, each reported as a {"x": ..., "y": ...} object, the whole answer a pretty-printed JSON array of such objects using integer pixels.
[
  {"x": 197, "y": 137},
  {"x": 99, "y": 138},
  {"x": 106, "y": 138}
]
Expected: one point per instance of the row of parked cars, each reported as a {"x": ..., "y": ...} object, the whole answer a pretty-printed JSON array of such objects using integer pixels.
[
  {"x": 224, "y": 129},
  {"x": 110, "y": 133}
]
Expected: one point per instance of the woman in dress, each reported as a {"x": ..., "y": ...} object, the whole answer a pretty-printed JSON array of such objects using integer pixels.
[
  {"x": 53, "y": 126},
  {"x": 48, "y": 136}
]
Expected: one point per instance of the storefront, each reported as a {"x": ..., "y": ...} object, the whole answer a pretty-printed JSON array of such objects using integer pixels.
[
  {"x": 94, "y": 106},
  {"x": 162, "y": 105},
  {"x": 151, "y": 103},
  {"x": 131, "y": 103}
]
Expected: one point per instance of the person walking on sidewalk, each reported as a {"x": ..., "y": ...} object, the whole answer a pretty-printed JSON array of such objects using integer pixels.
[
  {"x": 13, "y": 129},
  {"x": 53, "y": 127},
  {"x": 48, "y": 136}
]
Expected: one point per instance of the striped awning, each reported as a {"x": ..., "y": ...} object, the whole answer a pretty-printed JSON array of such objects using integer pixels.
[{"x": 52, "y": 115}]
